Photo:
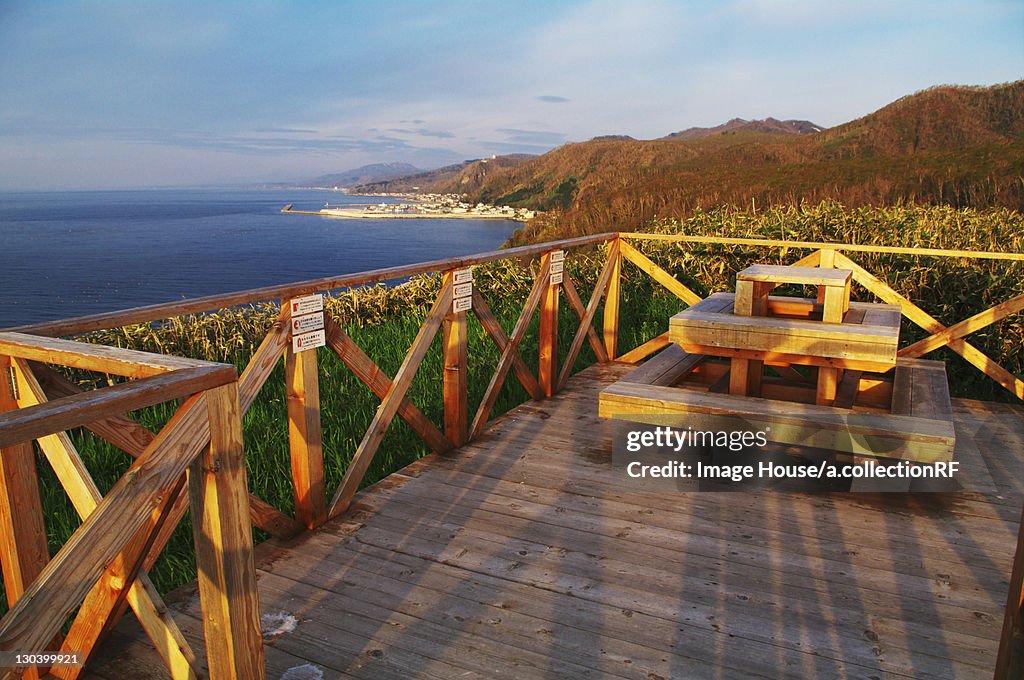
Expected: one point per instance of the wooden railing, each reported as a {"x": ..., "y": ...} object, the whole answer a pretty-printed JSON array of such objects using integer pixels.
[
  {"x": 103, "y": 566},
  {"x": 834, "y": 255},
  {"x": 314, "y": 503}
]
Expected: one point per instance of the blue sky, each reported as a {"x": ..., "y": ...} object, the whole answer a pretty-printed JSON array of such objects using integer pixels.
[{"x": 122, "y": 94}]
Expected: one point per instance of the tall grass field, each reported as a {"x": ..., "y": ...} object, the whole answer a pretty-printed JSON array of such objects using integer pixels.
[{"x": 384, "y": 320}]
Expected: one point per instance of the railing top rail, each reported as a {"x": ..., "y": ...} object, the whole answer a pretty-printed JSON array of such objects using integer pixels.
[
  {"x": 94, "y": 322},
  {"x": 125, "y": 362},
  {"x": 32, "y": 422},
  {"x": 854, "y": 247},
  {"x": 145, "y": 314}
]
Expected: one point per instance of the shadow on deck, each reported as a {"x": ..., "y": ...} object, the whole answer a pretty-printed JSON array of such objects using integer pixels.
[{"x": 517, "y": 556}]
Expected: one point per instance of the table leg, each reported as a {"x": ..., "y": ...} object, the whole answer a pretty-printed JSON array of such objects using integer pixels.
[
  {"x": 828, "y": 380},
  {"x": 752, "y": 298},
  {"x": 835, "y": 304},
  {"x": 743, "y": 303},
  {"x": 745, "y": 377}
]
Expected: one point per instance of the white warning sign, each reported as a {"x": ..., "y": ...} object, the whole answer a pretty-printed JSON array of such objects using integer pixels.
[
  {"x": 307, "y": 322},
  {"x": 308, "y": 304},
  {"x": 462, "y": 290},
  {"x": 307, "y": 341},
  {"x": 557, "y": 255},
  {"x": 556, "y": 278}
]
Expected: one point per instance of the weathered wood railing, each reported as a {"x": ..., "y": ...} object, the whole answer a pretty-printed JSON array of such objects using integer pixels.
[
  {"x": 102, "y": 567},
  {"x": 313, "y": 504}
]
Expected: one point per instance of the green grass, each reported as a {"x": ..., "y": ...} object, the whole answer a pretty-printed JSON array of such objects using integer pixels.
[{"x": 383, "y": 321}]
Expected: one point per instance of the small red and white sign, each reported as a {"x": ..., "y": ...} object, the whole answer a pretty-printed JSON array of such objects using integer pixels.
[
  {"x": 557, "y": 255},
  {"x": 557, "y": 267},
  {"x": 307, "y": 322},
  {"x": 556, "y": 278},
  {"x": 307, "y": 341},
  {"x": 308, "y": 304},
  {"x": 462, "y": 290}
]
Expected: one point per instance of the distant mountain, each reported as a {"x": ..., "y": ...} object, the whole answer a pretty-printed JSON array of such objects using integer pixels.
[
  {"x": 768, "y": 125},
  {"x": 962, "y": 146},
  {"x": 368, "y": 173},
  {"x": 422, "y": 180},
  {"x": 461, "y": 177},
  {"x": 613, "y": 138}
]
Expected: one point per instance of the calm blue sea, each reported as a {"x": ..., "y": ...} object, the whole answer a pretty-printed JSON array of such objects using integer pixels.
[{"x": 72, "y": 253}]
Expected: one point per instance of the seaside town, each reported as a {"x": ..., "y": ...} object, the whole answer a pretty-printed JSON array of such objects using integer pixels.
[{"x": 421, "y": 205}]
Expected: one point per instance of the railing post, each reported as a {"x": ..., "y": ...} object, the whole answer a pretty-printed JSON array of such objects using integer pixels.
[
  {"x": 827, "y": 258},
  {"x": 305, "y": 440},
  {"x": 1010, "y": 658},
  {"x": 456, "y": 416},
  {"x": 828, "y": 378},
  {"x": 223, "y": 539},
  {"x": 547, "y": 371},
  {"x": 23, "y": 548},
  {"x": 611, "y": 301}
]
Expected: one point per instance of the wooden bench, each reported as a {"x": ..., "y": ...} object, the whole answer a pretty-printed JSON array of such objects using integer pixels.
[
  {"x": 665, "y": 368},
  {"x": 919, "y": 428}
]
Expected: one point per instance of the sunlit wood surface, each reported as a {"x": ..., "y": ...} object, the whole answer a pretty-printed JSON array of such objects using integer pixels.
[{"x": 519, "y": 556}]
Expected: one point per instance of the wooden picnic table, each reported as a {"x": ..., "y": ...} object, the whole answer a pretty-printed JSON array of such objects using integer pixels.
[
  {"x": 865, "y": 404},
  {"x": 748, "y": 328}
]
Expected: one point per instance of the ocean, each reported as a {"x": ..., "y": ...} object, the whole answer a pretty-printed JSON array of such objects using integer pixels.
[{"x": 66, "y": 254}]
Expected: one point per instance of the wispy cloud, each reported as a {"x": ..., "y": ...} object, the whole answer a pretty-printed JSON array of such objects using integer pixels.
[
  {"x": 532, "y": 136},
  {"x": 423, "y": 132},
  {"x": 284, "y": 130},
  {"x": 552, "y": 99},
  {"x": 265, "y": 141}
]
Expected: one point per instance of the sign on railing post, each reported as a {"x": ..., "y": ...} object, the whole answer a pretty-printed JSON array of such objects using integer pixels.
[
  {"x": 307, "y": 321},
  {"x": 462, "y": 290},
  {"x": 547, "y": 372},
  {"x": 456, "y": 417},
  {"x": 557, "y": 267},
  {"x": 305, "y": 317}
]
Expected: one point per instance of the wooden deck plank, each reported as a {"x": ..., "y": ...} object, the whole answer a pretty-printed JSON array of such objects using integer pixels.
[
  {"x": 519, "y": 555},
  {"x": 829, "y": 573},
  {"x": 743, "y": 583},
  {"x": 530, "y": 463},
  {"x": 520, "y": 615},
  {"x": 623, "y": 530},
  {"x": 742, "y": 615}
]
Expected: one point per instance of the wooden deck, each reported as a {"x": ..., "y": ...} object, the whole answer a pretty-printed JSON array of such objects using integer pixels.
[{"x": 518, "y": 557}]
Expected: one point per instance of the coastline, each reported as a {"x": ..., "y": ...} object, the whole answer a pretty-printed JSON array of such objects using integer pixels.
[
  {"x": 423, "y": 206},
  {"x": 381, "y": 215}
]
